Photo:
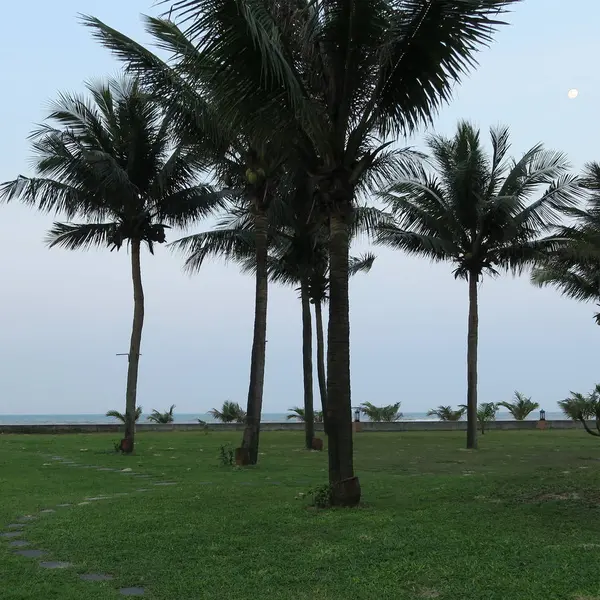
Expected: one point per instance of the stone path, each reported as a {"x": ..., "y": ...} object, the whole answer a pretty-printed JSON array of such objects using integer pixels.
[{"x": 17, "y": 530}]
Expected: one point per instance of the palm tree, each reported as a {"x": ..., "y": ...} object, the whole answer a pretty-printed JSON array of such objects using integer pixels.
[
  {"x": 445, "y": 413},
  {"x": 299, "y": 414},
  {"x": 121, "y": 417},
  {"x": 477, "y": 212},
  {"x": 299, "y": 258},
  {"x": 231, "y": 412},
  {"x": 335, "y": 81},
  {"x": 520, "y": 407},
  {"x": 381, "y": 414},
  {"x": 115, "y": 163},
  {"x": 574, "y": 266},
  {"x": 163, "y": 418},
  {"x": 486, "y": 412},
  {"x": 580, "y": 407}
]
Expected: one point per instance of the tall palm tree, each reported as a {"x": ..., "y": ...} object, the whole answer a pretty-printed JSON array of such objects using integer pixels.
[
  {"x": 483, "y": 214},
  {"x": 574, "y": 266},
  {"x": 520, "y": 407},
  {"x": 445, "y": 413},
  {"x": 299, "y": 258},
  {"x": 335, "y": 80},
  {"x": 114, "y": 161}
]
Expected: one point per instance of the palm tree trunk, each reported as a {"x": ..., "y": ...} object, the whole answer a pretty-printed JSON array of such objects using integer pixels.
[
  {"x": 472, "y": 339},
  {"x": 134, "y": 346},
  {"x": 321, "y": 361},
  {"x": 344, "y": 485},
  {"x": 307, "y": 367},
  {"x": 249, "y": 454}
]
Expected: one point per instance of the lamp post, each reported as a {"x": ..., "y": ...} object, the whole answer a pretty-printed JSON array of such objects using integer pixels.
[
  {"x": 542, "y": 422},
  {"x": 357, "y": 425}
]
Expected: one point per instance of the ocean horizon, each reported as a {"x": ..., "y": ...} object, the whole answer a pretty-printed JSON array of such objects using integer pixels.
[{"x": 79, "y": 419}]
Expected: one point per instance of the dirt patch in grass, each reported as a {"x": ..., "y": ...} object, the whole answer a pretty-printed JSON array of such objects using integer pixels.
[
  {"x": 563, "y": 496},
  {"x": 429, "y": 593}
]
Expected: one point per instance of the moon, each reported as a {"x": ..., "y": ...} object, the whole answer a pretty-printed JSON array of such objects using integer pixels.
[{"x": 573, "y": 93}]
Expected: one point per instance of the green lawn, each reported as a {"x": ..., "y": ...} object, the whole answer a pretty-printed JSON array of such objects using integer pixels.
[{"x": 516, "y": 520}]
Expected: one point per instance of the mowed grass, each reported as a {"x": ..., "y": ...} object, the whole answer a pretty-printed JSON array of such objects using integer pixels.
[{"x": 516, "y": 520}]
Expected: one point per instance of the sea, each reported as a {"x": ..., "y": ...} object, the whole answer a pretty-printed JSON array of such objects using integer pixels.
[{"x": 193, "y": 418}]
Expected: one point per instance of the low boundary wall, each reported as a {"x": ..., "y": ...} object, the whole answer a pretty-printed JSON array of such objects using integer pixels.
[{"x": 366, "y": 427}]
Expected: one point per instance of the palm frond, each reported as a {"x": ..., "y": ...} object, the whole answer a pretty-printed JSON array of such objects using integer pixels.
[{"x": 75, "y": 236}]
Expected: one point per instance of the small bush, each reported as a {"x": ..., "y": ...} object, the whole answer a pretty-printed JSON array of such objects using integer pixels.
[
  {"x": 226, "y": 456},
  {"x": 321, "y": 496}
]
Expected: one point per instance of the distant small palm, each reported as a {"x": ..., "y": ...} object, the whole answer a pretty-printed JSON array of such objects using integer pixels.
[
  {"x": 381, "y": 414},
  {"x": 298, "y": 413},
  {"x": 579, "y": 406},
  {"x": 166, "y": 417},
  {"x": 231, "y": 412},
  {"x": 121, "y": 417},
  {"x": 521, "y": 406},
  {"x": 445, "y": 413}
]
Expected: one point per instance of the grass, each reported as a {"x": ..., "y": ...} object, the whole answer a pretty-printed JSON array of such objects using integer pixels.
[{"x": 517, "y": 519}]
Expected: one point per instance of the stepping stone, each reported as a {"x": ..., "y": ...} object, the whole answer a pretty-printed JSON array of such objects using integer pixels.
[
  {"x": 96, "y": 577},
  {"x": 31, "y": 553},
  {"x": 122, "y": 494},
  {"x": 132, "y": 591},
  {"x": 166, "y": 483},
  {"x": 27, "y": 518},
  {"x": 47, "y": 511},
  {"x": 55, "y": 565},
  {"x": 141, "y": 475},
  {"x": 63, "y": 505},
  {"x": 83, "y": 503},
  {"x": 105, "y": 469},
  {"x": 18, "y": 544},
  {"x": 143, "y": 490},
  {"x": 57, "y": 458},
  {"x": 11, "y": 534},
  {"x": 97, "y": 498},
  {"x": 15, "y": 526}
]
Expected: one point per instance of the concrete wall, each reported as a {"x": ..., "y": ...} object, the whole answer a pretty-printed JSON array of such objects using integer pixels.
[{"x": 287, "y": 426}]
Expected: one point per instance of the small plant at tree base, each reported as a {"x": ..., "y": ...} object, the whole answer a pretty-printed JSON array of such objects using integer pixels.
[
  {"x": 445, "y": 413},
  {"x": 580, "y": 407},
  {"x": 226, "y": 456},
  {"x": 520, "y": 407},
  {"x": 321, "y": 496},
  {"x": 163, "y": 418}
]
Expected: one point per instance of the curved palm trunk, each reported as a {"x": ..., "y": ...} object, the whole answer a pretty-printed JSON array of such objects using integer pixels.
[
  {"x": 249, "y": 449},
  {"x": 472, "y": 339},
  {"x": 307, "y": 368},
  {"x": 321, "y": 360},
  {"x": 345, "y": 487},
  {"x": 134, "y": 346}
]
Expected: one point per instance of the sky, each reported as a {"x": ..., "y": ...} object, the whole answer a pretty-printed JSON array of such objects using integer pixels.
[{"x": 65, "y": 315}]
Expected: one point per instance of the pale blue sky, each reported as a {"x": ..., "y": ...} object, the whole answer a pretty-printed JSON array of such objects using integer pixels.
[{"x": 64, "y": 315}]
